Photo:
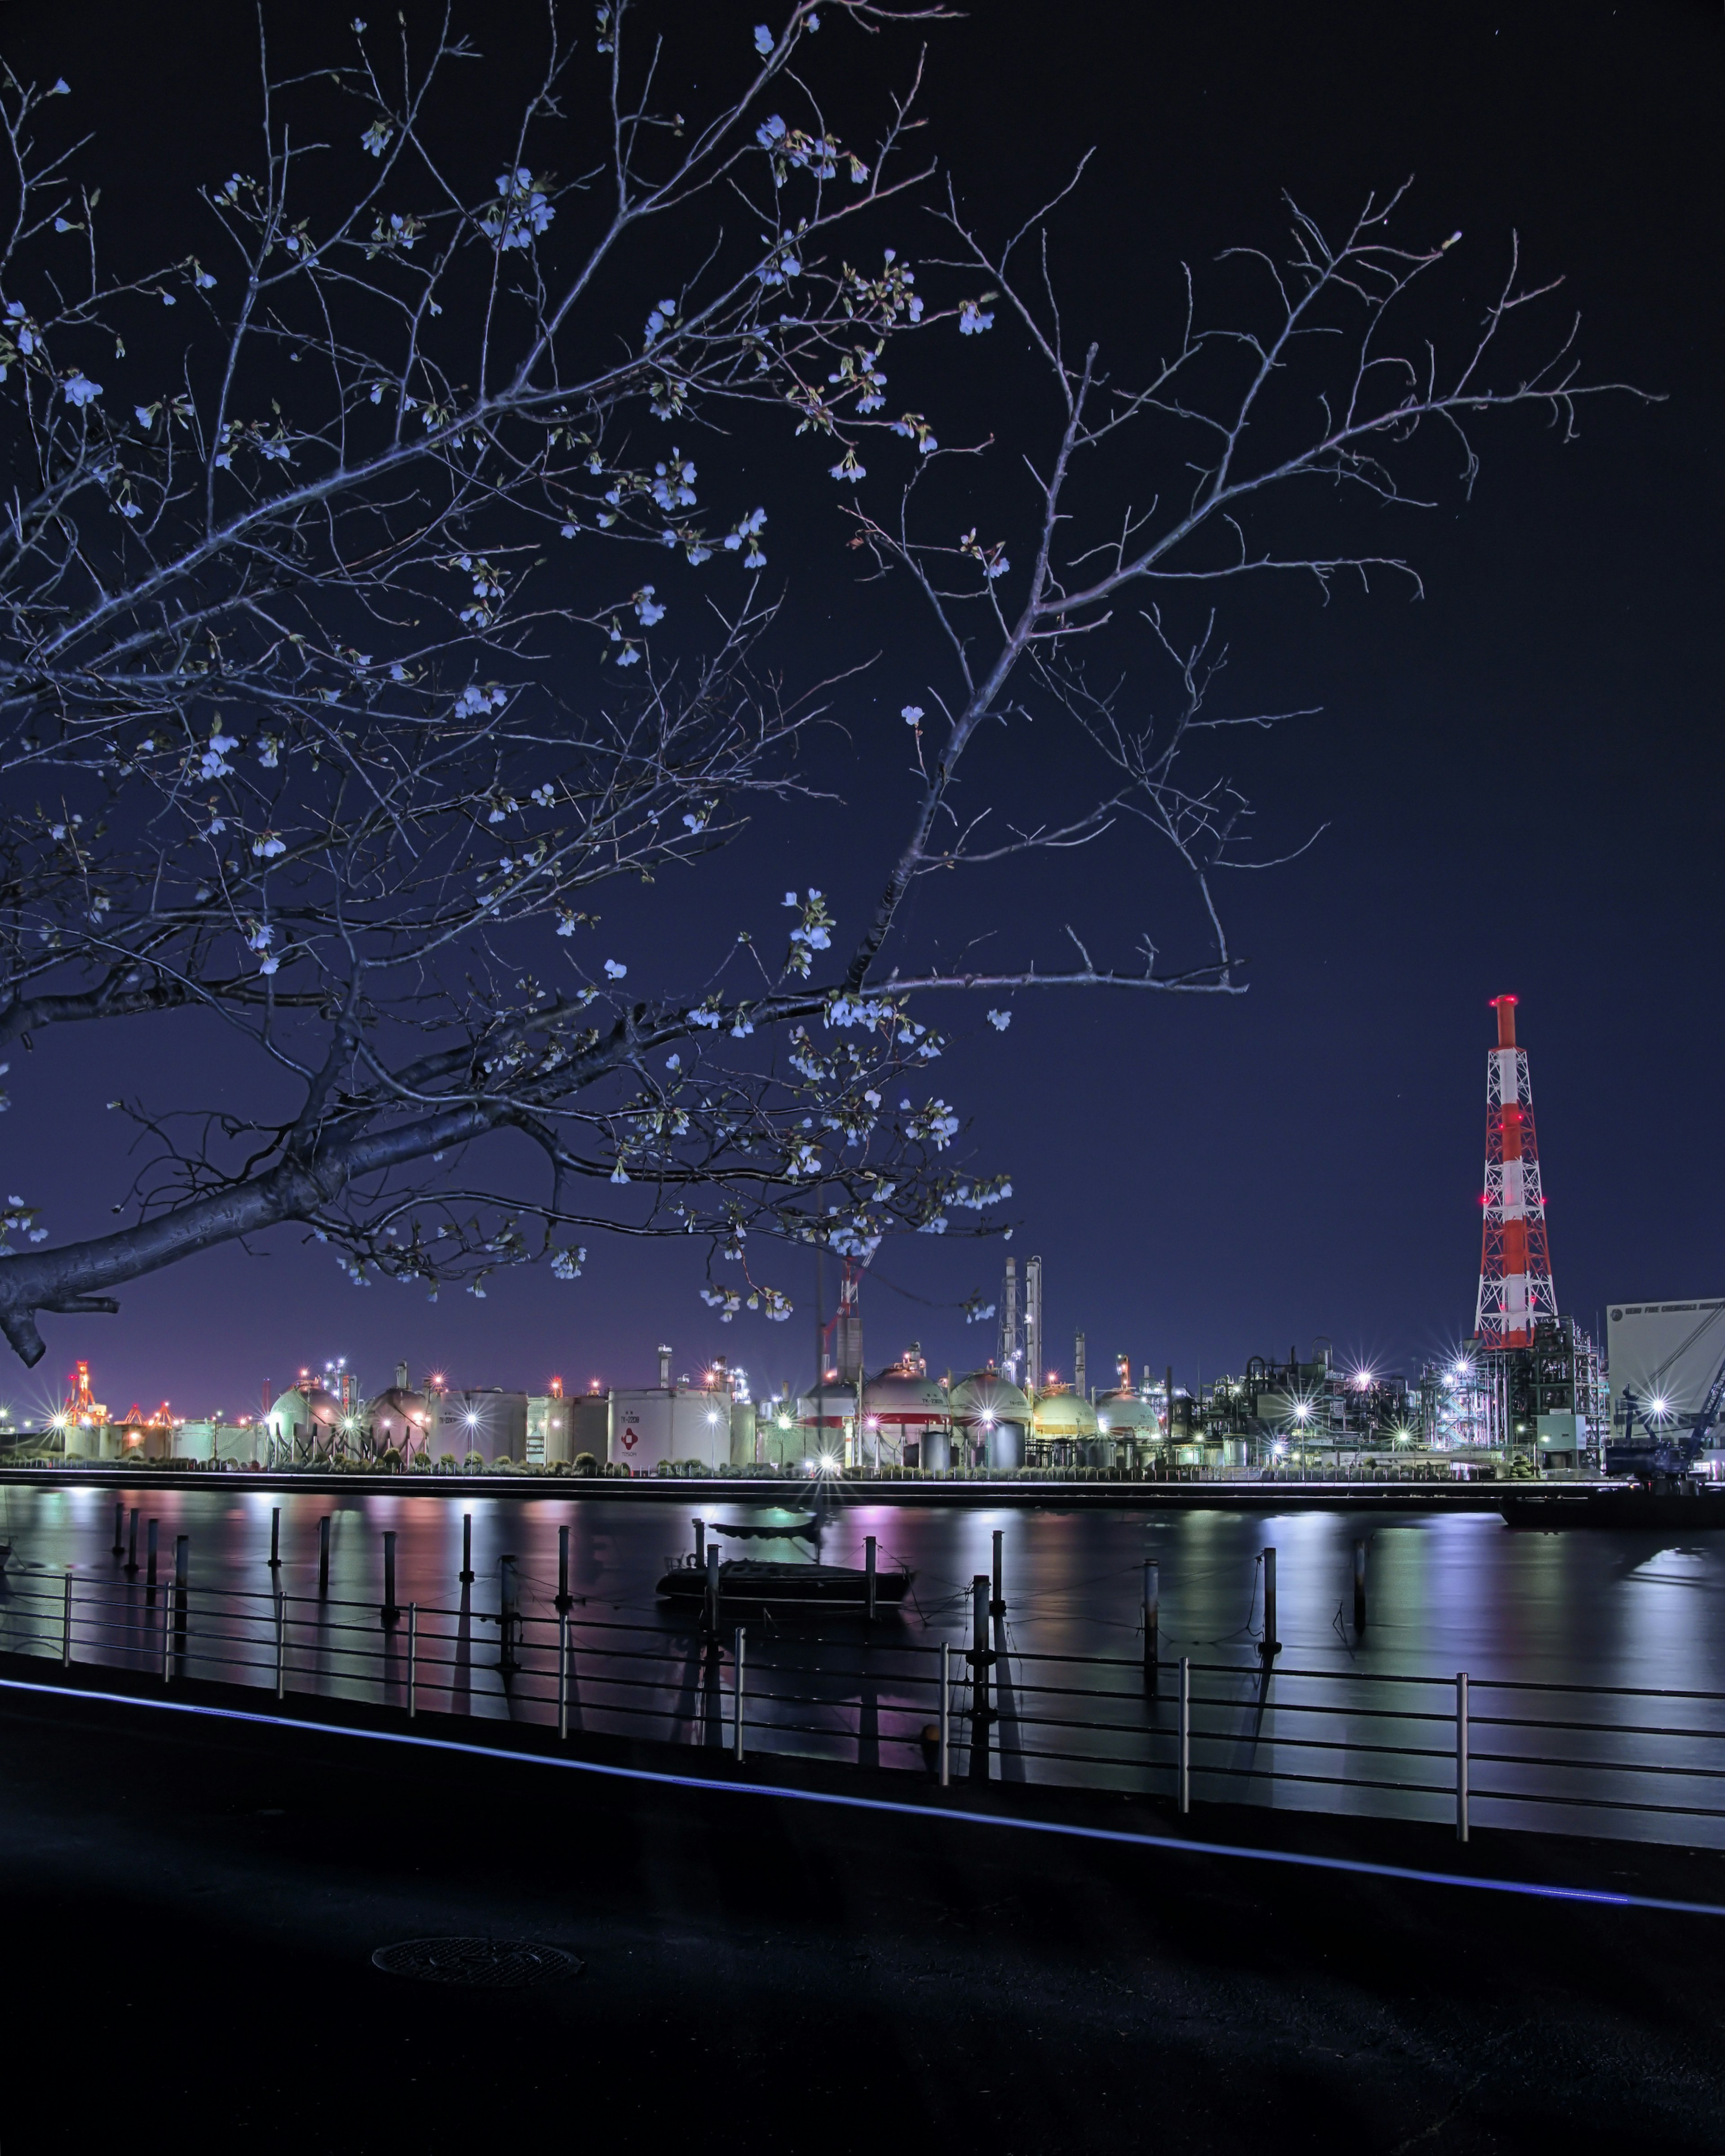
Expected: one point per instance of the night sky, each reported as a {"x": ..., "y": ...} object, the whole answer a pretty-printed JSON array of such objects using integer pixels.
[{"x": 1519, "y": 773}]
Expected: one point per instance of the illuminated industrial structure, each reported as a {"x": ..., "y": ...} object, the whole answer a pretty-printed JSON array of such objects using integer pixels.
[{"x": 1516, "y": 1290}]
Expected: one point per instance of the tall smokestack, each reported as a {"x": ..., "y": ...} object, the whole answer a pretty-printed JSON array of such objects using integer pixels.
[
  {"x": 664, "y": 1356},
  {"x": 1515, "y": 1256},
  {"x": 1034, "y": 1349},
  {"x": 1079, "y": 1371}
]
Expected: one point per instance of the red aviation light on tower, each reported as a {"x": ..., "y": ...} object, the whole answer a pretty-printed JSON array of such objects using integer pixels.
[{"x": 1515, "y": 1256}]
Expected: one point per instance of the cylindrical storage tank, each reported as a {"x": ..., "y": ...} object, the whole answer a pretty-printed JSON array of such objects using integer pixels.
[
  {"x": 743, "y": 1433},
  {"x": 935, "y": 1453},
  {"x": 993, "y": 1409}
]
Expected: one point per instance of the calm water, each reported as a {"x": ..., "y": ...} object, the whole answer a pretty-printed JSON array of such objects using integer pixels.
[{"x": 1447, "y": 1592}]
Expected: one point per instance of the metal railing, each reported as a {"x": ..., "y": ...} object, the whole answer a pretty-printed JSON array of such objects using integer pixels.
[{"x": 1625, "y": 1760}]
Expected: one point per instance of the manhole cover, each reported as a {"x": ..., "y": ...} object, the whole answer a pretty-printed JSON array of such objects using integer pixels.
[{"x": 503, "y": 1964}]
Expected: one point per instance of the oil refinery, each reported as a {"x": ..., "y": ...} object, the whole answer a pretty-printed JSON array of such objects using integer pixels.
[{"x": 1526, "y": 1393}]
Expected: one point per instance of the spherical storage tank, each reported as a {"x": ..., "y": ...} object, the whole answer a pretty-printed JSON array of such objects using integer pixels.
[
  {"x": 305, "y": 1418},
  {"x": 1129, "y": 1417},
  {"x": 993, "y": 1408},
  {"x": 1066, "y": 1418},
  {"x": 400, "y": 1418},
  {"x": 904, "y": 1405}
]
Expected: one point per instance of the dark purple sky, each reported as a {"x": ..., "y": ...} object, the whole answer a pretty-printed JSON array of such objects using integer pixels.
[{"x": 1520, "y": 774}]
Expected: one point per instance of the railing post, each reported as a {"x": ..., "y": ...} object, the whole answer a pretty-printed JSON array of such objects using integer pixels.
[
  {"x": 466, "y": 1572},
  {"x": 737, "y": 1697},
  {"x": 275, "y": 1538},
  {"x": 712, "y": 1618},
  {"x": 1461, "y": 1788},
  {"x": 979, "y": 1658},
  {"x": 323, "y": 1555},
  {"x": 1152, "y": 1624},
  {"x": 167, "y": 1641},
  {"x": 120, "y": 1531},
  {"x": 413, "y": 1657},
  {"x": 391, "y": 1614},
  {"x": 280, "y": 1645},
  {"x": 946, "y": 1713},
  {"x": 700, "y": 1545},
  {"x": 131, "y": 1547},
  {"x": 565, "y": 1599},
  {"x": 66, "y": 1624},
  {"x": 996, "y": 1601},
  {"x": 563, "y": 1674},
  {"x": 869, "y": 1549},
  {"x": 151, "y": 1536},
  {"x": 1185, "y": 1766},
  {"x": 1359, "y": 1587}
]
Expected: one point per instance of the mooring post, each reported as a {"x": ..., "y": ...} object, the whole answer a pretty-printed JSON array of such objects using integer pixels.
[
  {"x": 565, "y": 1601},
  {"x": 151, "y": 1532},
  {"x": 700, "y": 1545},
  {"x": 979, "y": 1658},
  {"x": 868, "y": 1545},
  {"x": 1359, "y": 1587},
  {"x": 280, "y": 1644},
  {"x": 466, "y": 1573},
  {"x": 1153, "y": 1623},
  {"x": 182, "y": 1569},
  {"x": 997, "y": 1603},
  {"x": 131, "y": 1546},
  {"x": 712, "y": 1614},
  {"x": 323, "y": 1555},
  {"x": 66, "y": 1624},
  {"x": 737, "y": 1696},
  {"x": 1461, "y": 1789},
  {"x": 1270, "y": 1646},
  {"x": 120, "y": 1531},
  {"x": 563, "y": 1674},
  {"x": 945, "y": 1717},
  {"x": 1185, "y": 1766},
  {"x": 510, "y": 1613},
  {"x": 413, "y": 1657},
  {"x": 275, "y": 1539},
  {"x": 390, "y": 1614}
]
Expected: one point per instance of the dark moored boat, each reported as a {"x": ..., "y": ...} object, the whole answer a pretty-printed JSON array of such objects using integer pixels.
[
  {"x": 749, "y": 1582},
  {"x": 1653, "y": 1511}
]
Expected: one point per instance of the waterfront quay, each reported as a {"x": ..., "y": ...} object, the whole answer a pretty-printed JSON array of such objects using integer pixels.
[{"x": 1080, "y": 1491}]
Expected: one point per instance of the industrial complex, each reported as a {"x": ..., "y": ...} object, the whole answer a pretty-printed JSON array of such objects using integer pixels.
[{"x": 1528, "y": 1393}]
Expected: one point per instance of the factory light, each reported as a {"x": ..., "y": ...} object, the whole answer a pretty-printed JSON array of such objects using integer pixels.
[
  {"x": 829, "y": 1462},
  {"x": 784, "y": 1422},
  {"x": 871, "y": 1422},
  {"x": 1660, "y": 1406},
  {"x": 712, "y": 1417}
]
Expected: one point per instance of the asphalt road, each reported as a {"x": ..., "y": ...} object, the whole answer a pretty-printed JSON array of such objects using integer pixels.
[{"x": 191, "y": 1907}]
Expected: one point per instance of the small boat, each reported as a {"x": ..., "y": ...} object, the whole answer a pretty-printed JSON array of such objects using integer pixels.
[
  {"x": 1660, "y": 1512},
  {"x": 748, "y": 1583}
]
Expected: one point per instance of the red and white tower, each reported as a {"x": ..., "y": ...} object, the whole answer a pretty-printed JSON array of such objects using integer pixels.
[{"x": 1515, "y": 1256}]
